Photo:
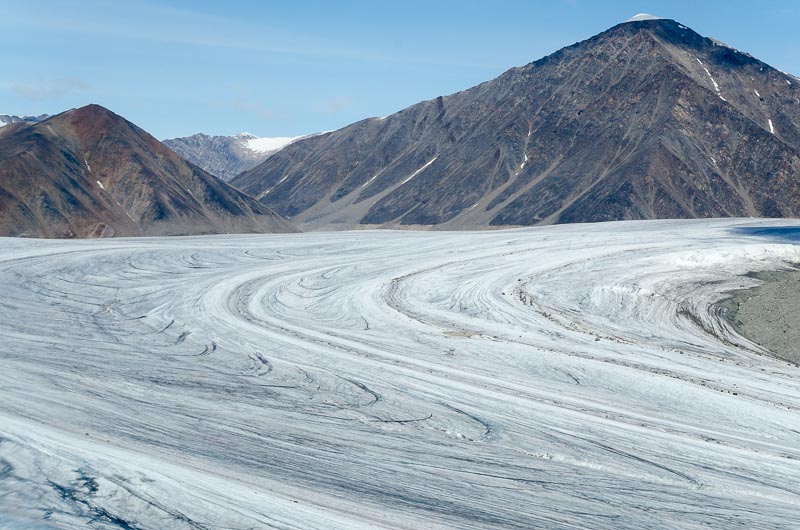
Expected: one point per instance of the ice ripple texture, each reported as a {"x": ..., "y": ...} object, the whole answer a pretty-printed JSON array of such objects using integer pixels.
[{"x": 570, "y": 376}]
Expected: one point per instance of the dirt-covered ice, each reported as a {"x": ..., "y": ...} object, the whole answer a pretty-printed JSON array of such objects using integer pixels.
[{"x": 769, "y": 314}]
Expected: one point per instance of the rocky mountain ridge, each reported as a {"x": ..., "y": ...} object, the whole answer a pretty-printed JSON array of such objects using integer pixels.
[
  {"x": 646, "y": 120},
  {"x": 8, "y": 119}
]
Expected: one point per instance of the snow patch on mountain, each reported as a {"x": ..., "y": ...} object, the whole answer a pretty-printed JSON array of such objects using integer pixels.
[
  {"x": 420, "y": 170},
  {"x": 266, "y": 145}
]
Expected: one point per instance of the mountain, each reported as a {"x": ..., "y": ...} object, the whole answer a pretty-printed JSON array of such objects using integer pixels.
[
  {"x": 227, "y": 156},
  {"x": 8, "y": 119},
  {"x": 646, "y": 120},
  {"x": 91, "y": 173}
]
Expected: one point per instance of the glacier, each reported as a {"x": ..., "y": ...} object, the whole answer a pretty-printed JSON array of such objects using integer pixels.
[{"x": 560, "y": 377}]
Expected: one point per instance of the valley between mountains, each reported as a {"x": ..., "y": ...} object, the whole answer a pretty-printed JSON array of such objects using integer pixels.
[{"x": 562, "y": 298}]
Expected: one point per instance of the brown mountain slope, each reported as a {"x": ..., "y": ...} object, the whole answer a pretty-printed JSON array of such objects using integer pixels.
[
  {"x": 646, "y": 120},
  {"x": 90, "y": 173}
]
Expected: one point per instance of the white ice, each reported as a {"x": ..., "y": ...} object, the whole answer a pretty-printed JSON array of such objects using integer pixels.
[{"x": 566, "y": 376}]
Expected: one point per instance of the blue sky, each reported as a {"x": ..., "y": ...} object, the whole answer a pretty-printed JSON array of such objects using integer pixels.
[{"x": 294, "y": 67}]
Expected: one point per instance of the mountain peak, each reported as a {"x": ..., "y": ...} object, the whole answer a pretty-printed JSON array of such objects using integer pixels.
[
  {"x": 89, "y": 118},
  {"x": 92, "y": 111},
  {"x": 639, "y": 17},
  {"x": 648, "y": 119},
  {"x": 89, "y": 172}
]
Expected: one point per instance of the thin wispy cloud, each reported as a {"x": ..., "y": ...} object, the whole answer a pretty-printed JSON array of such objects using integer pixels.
[
  {"x": 49, "y": 88},
  {"x": 310, "y": 65},
  {"x": 185, "y": 27},
  {"x": 253, "y": 108},
  {"x": 240, "y": 100},
  {"x": 337, "y": 104}
]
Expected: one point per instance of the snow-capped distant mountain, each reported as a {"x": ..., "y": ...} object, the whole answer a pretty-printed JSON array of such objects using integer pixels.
[
  {"x": 8, "y": 119},
  {"x": 227, "y": 156}
]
